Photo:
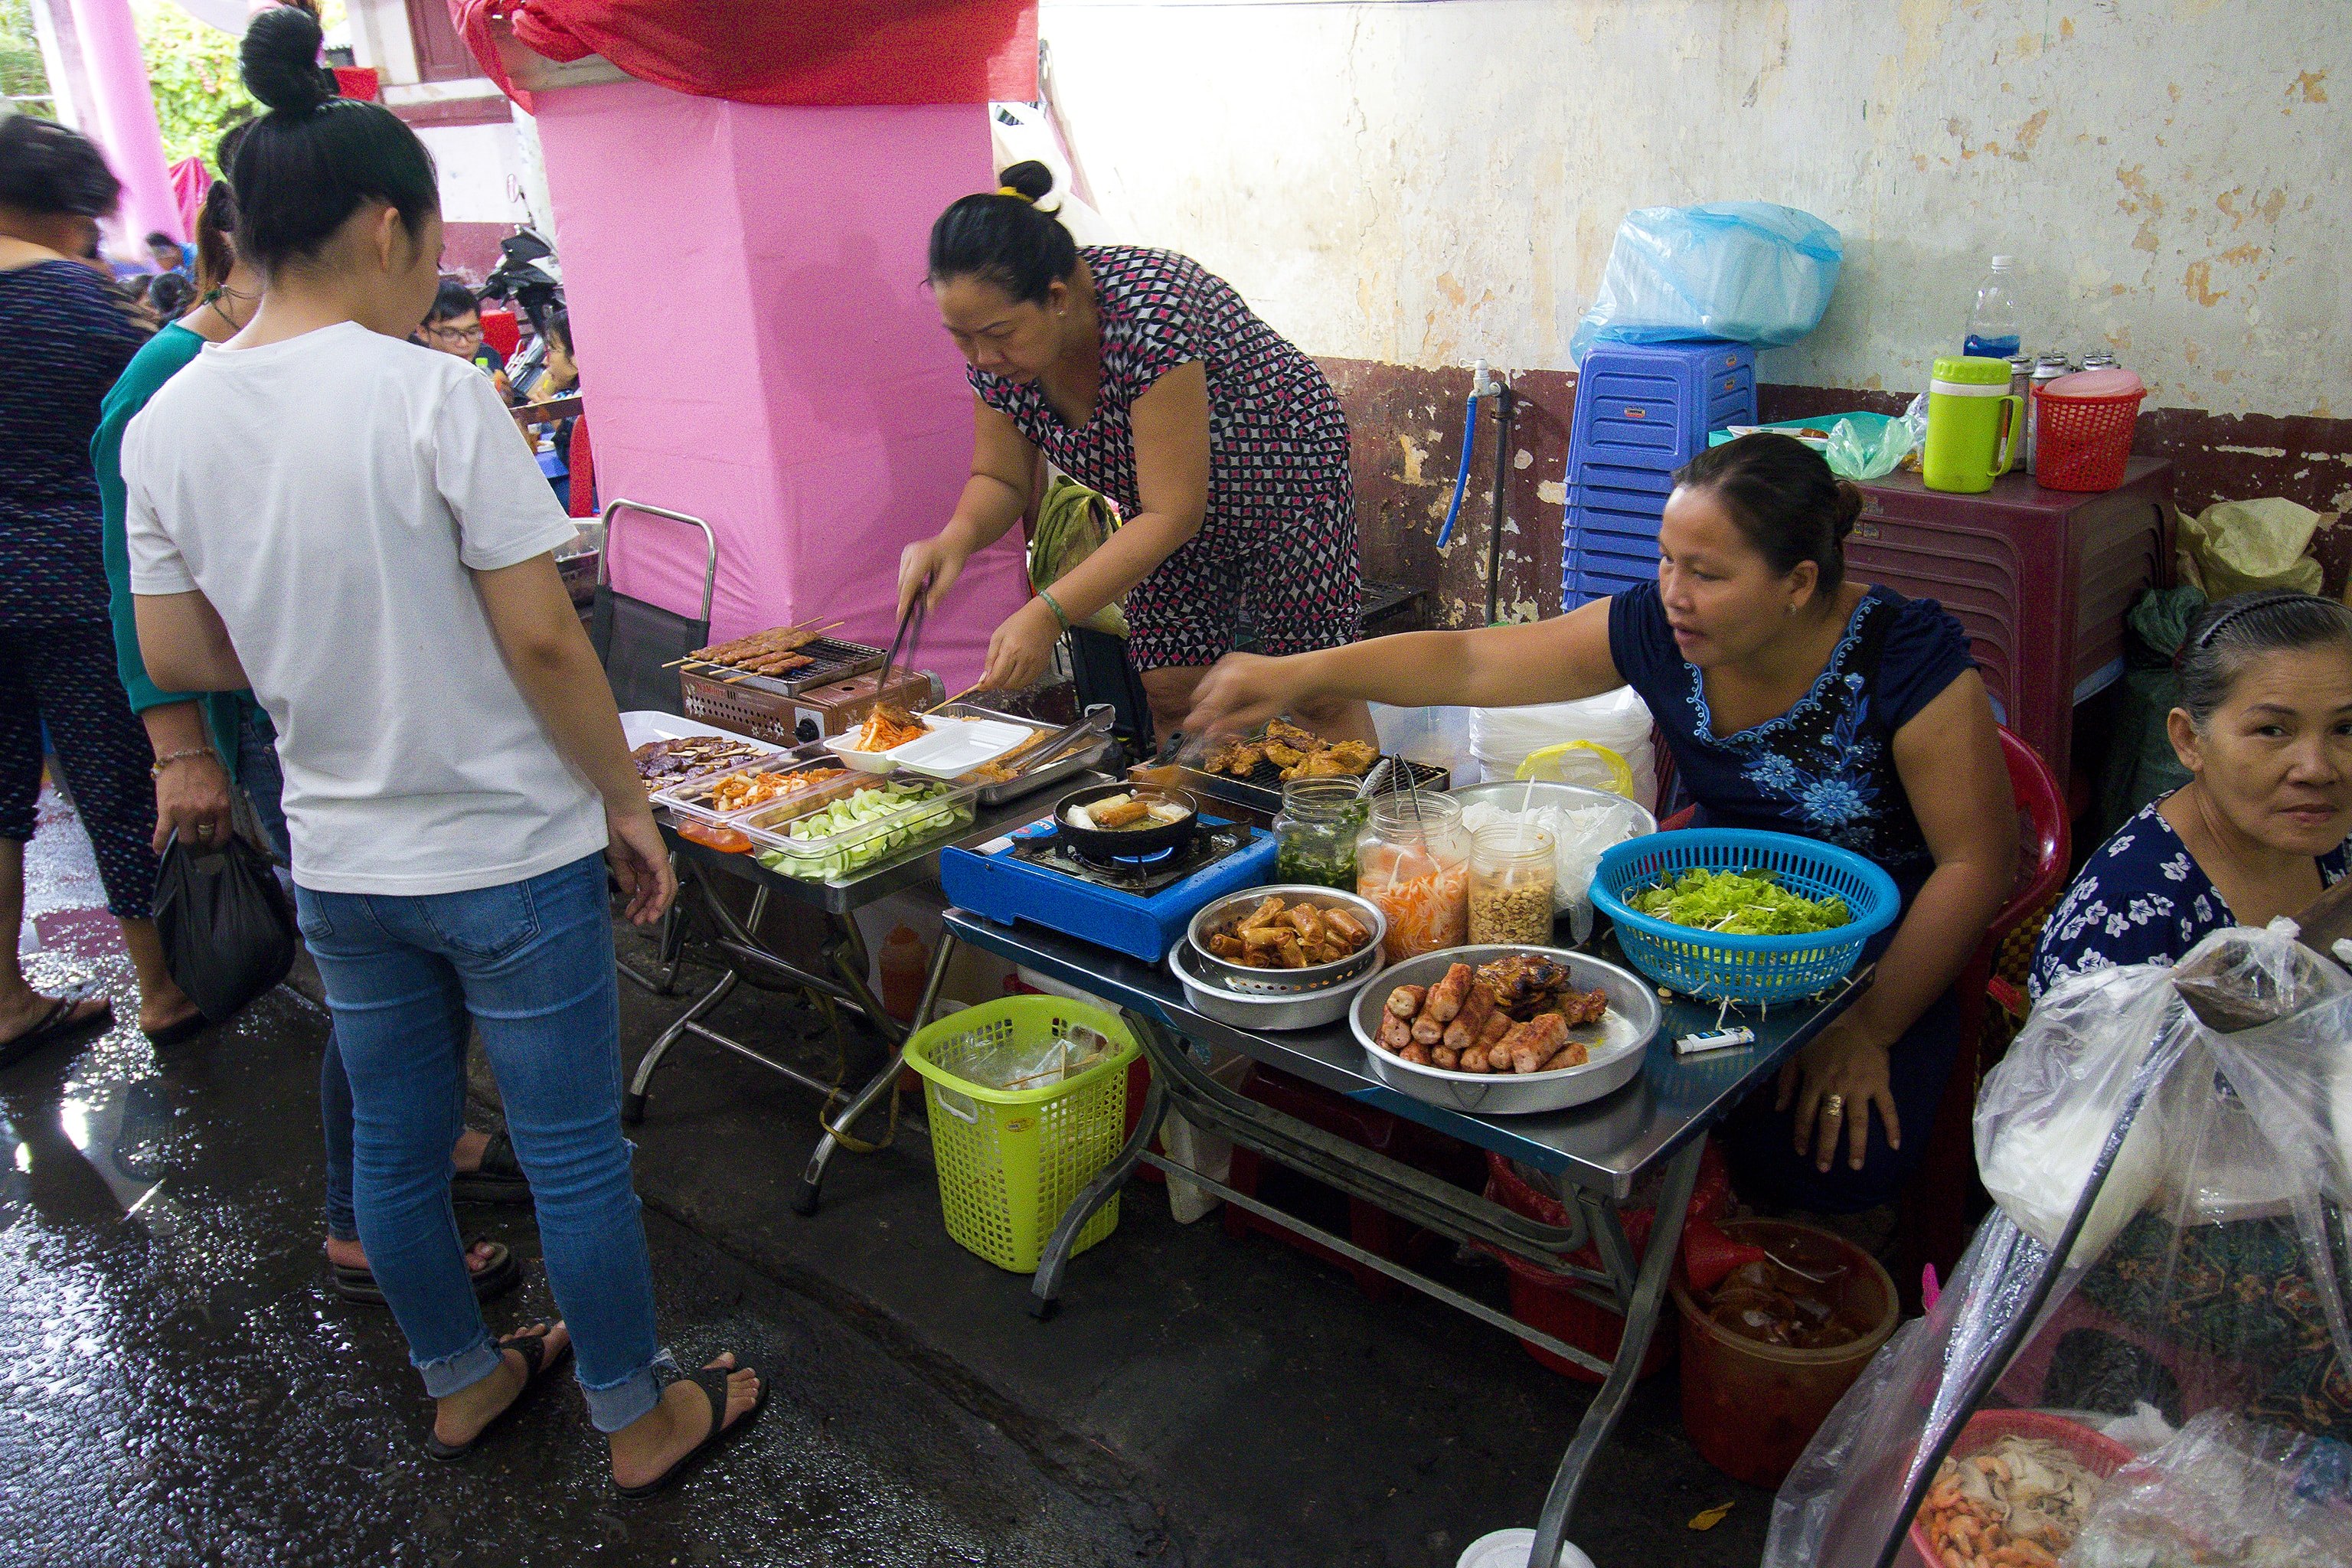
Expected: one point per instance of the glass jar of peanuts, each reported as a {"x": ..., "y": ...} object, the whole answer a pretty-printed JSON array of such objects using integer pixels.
[
  {"x": 1413, "y": 859},
  {"x": 1511, "y": 875}
]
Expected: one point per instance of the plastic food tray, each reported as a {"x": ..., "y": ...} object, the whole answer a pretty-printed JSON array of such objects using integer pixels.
[
  {"x": 693, "y": 796},
  {"x": 1614, "y": 1062},
  {"x": 841, "y": 856}
]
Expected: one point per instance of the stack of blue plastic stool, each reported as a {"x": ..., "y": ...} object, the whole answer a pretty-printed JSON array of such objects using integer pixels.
[{"x": 1642, "y": 410}]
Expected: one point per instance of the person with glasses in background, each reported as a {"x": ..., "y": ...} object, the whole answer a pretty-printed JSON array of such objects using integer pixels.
[{"x": 454, "y": 326}]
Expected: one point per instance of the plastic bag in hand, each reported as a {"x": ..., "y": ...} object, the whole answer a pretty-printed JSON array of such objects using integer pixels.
[
  {"x": 228, "y": 934},
  {"x": 1750, "y": 271}
]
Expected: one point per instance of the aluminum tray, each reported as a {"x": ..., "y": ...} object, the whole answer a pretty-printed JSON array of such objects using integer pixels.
[
  {"x": 1307, "y": 1010},
  {"x": 1615, "y": 1062},
  {"x": 1262, "y": 791},
  {"x": 1087, "y": 756}
]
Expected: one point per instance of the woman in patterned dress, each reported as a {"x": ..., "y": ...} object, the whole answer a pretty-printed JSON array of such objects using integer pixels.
[
  {"x": 68, "y": 336},
  {"x": 1145, "y": 377},
  {"x": 2264, "y": 826},
  {"x": 1793, "y": 702}
]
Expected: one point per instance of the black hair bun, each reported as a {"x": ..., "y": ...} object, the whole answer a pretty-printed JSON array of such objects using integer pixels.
[
  {"x": 1030, "y": 178},
  {"x": 280, "y": 57},
  {"x": 1848, "y": 511}
]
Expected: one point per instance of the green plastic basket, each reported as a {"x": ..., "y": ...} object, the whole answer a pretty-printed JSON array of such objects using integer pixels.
[{"x": 1012, "y": 1161}]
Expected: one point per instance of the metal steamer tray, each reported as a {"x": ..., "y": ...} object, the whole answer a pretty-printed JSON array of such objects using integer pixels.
[
  {"x": 1262, "y": 791},
  {"x": 1240, "y": 979},
  {"x": 1614, "y": 1062},
  {"x": 1084, "y": 755},
  {"x": 1297, "y": 1010}
]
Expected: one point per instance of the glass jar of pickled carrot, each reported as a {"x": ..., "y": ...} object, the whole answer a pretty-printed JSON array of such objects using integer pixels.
[{"x": 1413, "y": 859}]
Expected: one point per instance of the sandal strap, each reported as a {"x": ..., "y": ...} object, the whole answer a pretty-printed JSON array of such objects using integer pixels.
[
  {"x": 532, "y": 1348},
  {"x": 712, "y": 1381},
  {"x": 498, "y": 1157}
]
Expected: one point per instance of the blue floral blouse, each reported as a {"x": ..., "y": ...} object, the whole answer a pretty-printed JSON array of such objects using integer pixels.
[
  {"x": 2141, "y": 899},
  {"x": 1825, "y": 769}
]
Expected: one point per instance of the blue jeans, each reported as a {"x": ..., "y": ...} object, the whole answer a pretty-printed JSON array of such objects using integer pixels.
[{"x": 531, "y": 963}]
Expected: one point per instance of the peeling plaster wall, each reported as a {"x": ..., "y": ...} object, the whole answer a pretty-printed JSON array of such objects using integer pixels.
[{"x": 1426, "y": 184}]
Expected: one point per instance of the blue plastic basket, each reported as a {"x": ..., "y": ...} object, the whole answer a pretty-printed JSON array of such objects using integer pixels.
[{"x": 1744, "y": 968}]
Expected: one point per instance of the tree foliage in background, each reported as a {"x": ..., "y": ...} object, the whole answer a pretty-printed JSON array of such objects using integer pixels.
[
  {"x": 192, "y": 71},
  {"x": 21, "y": 73}
]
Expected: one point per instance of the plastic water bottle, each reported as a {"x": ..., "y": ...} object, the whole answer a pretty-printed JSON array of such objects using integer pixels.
[{"x": 1992, "y": 324}]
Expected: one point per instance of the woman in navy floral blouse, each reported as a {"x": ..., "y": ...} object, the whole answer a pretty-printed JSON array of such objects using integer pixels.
[
  {"x": 2264, "y": 728},
  {"x": 1794, "y": 702}
]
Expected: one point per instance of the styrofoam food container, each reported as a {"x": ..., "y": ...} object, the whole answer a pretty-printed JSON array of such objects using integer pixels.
[
  {"x": 1512, "y": 1548},
  {"x": 1614, "y": 1061},
  {"x": 952, "y": 748}
]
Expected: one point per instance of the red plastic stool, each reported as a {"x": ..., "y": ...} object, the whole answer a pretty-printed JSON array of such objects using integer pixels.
[{"x": 1369, "y": 1226}]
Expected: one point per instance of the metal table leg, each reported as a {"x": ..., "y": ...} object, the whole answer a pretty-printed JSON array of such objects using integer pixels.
[
  {"x": 1056, "y": 1255},
  {"x": 633, "y": 1104},
  {"x": 1641, "y": 1322},
  {"x": 810, "y": 1193}
]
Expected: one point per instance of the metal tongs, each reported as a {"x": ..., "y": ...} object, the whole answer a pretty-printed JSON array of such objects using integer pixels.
[{"x": 909, "y": 636}]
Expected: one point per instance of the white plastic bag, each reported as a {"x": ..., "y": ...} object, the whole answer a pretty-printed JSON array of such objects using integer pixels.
[
  {"x": 1503, "y": 738},
  {"x": 1579, "y": 835},
  {"x": 1750, "y": 271}
]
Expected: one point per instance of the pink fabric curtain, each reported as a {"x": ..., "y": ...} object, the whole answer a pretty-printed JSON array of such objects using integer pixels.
[{"x": 190, "y": 181}]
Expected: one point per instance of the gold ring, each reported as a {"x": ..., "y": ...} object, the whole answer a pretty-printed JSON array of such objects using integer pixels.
[{"x": 1835, "y": 1105}]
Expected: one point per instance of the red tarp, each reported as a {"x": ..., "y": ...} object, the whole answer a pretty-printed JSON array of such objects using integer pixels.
[{"x": 802, "y": 52}]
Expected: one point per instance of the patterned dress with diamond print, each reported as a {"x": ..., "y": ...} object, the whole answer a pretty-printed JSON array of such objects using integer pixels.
[{"x": 1278, "y": 537}]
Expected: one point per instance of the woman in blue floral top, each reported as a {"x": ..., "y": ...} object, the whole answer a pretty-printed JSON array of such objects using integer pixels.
[
  {"x": 2264, "y": 728},
  {"x": 1792, "y": 700}
]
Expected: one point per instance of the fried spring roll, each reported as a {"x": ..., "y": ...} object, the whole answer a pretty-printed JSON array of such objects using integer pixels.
[
  {"x": 1350, "y": 929},
  {"x": 1462, "y": 1033},
  {"x": 1447, "y": 997},
  {"x": 1405, "y": 1001},
  {"x": 1530, "y": 1044}
]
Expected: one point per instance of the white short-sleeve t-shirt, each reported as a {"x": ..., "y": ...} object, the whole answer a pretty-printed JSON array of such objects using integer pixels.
[{"x": 330, "y": 496}]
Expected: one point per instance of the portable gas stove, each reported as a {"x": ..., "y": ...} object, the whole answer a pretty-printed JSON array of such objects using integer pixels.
[{"x": 1136, "y": 907}]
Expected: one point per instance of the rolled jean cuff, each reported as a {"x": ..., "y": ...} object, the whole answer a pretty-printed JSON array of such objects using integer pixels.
[
  {"x": 462, "y": 1371},
  {"x": 616, "y": 1405}
]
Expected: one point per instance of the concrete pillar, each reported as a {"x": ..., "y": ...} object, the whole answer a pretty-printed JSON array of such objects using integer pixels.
[
  {"x": 120, "y": 115},
  {"x": 757, "y": 347}
]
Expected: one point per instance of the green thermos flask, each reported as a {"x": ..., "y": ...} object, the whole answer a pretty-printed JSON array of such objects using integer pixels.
[{"x": 1975, "y": 425}]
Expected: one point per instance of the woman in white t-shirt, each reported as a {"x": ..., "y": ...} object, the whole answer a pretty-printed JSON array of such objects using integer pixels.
[{"x": 345, "y": 522}]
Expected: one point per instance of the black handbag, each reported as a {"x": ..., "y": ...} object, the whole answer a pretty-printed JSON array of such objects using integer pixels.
[{"x": 227, "y": 928}]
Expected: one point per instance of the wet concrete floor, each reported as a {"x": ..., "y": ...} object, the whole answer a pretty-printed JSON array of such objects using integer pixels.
[{"x": 177, "y": 1385}]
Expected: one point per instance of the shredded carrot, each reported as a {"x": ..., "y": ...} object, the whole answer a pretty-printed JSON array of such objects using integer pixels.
[{"x": 1427, "y": 902}]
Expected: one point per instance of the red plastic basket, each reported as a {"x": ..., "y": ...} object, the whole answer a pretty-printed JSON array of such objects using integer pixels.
[{"x": 2082, "y": 443}]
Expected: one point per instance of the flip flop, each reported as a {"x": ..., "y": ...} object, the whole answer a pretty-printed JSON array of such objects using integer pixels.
[
  {"x": 496, "y": 1278},
  {"x": 712, "y": 1381},
  {"x": 59, "y": 1022},
  {"x": 536, "y": 1364},
  {"x": 499, "y": 1181}
]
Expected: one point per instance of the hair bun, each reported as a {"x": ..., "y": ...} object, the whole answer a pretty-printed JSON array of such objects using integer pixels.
[
  {"x": 1030, "y": 178},
  {"x": 1848, "y": 511},
  {"x": 280, "y": 57}
]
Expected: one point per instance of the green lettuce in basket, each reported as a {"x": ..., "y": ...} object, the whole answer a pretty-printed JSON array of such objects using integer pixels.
[{"x": 1737, "y": 903}]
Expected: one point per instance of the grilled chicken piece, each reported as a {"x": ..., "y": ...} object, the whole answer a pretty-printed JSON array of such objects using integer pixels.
[{"x": 1523, "y": 981}]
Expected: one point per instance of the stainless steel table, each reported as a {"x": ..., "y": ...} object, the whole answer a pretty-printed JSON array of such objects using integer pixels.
[
  {"x": 749, "y": 961},
  {"x": 1602, "y": 1152}
]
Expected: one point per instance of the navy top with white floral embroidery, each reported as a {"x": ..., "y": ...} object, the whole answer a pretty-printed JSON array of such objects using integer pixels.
[
  {"x": 1825, "y": 769},
  {"x": 2141, "y": 899}
]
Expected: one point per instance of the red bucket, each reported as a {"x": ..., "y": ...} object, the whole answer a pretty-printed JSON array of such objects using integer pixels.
[{"x": 2083, "y": 443}]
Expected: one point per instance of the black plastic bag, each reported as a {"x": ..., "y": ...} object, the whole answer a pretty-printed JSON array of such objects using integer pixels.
[{"x": 227, "y": 929}]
